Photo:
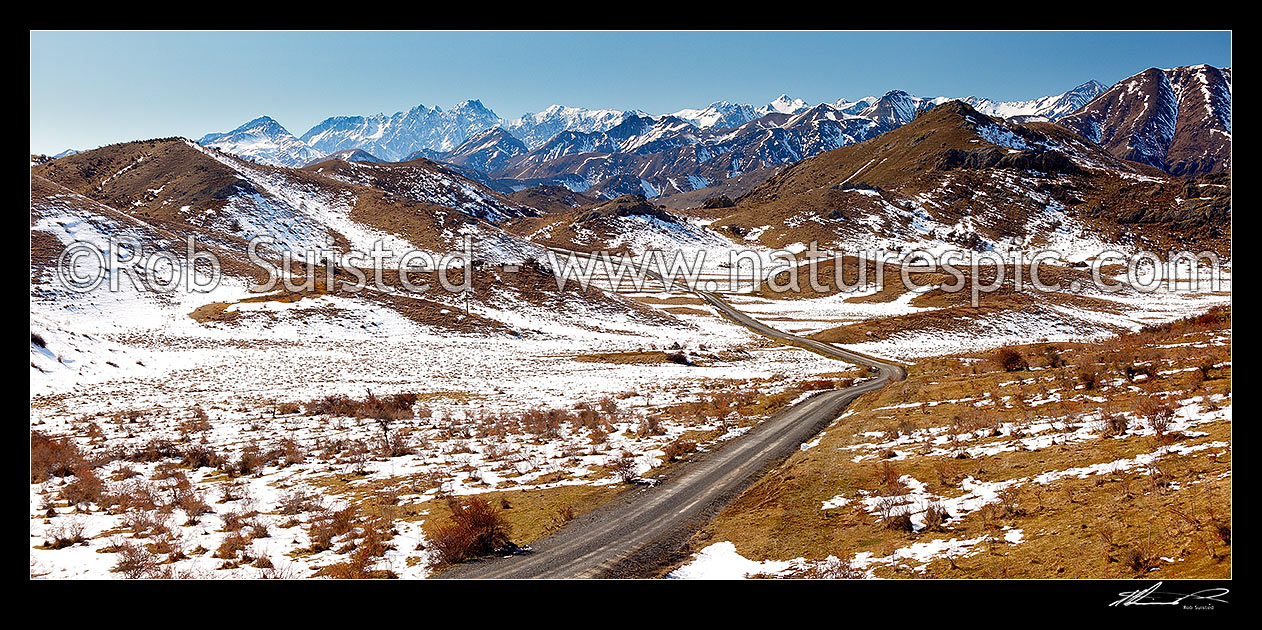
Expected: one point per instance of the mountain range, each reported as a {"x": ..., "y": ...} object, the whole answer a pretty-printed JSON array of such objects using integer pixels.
[
  {"x": 959, "y": 176},
  {"x": 948, "y": 174},
  {"x": 605, "y": 153},
  {"x": 725, "y": 115},
  {"x": 1047, "y": 108},
  {"x": 1178, "y": 120},
  {"x": 431, "y": 131},
  {"x": 396, "y": 136}
]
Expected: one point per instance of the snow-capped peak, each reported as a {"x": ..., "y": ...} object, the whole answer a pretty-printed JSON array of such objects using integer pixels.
[
  {"x": 536, "y": 129},
  {"x": 263, "y": 140},
  {"x": 398, "y": 135},
  {"x": 719, "y": 115},
  {"x": 785, "y": 105},
  {"x": 1052, "y": 107}
]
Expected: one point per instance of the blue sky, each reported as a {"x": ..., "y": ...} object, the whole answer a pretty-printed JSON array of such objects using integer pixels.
[{"x": 94, "y": 88}]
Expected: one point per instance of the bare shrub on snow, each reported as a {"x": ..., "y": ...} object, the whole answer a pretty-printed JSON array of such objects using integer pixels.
[{"x": 477, "y": 528}]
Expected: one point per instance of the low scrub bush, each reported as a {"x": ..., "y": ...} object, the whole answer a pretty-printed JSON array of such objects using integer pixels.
[
  {"x": 134, "y": 561},
  {"x": 679, "y": 448},
  {"x": 477, "y": 528},
  {"x": 1089, "y": 379},
  {"x": 66, "y": 532},
  {"x": 54, "y": 457},
  {"x": 201, "y": 455},
  {"x": 86, "y": 488},
  {"x": 232, "y": 545},
  {"x": 1010, "y": 360},
  {"x": 394, "y": 407}
]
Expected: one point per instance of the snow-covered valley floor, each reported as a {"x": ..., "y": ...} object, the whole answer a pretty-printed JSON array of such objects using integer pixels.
[{"x": 205, "y": 458}]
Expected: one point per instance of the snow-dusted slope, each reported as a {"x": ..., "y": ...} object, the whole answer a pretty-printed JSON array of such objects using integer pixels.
[
  {"x": 954, "y": 177},
  {"x": 486, "y": 151},
  {"x": 349, "y": 155},
  {"x": 1178, "y": 119}
]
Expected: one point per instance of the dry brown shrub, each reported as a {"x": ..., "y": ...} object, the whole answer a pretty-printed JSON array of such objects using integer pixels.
[
  {"x": 143, "y": 523},
  {"x": 134, "y": 561},
  {"x": 65, "y": 532},
  {"x": 830, "y": 569},
  {"x": 328, "y": 525},
  {"x": 395, "y": 444},
  {"x": 1053, "y": 358},
  {"x": 394, "y": 407},
  {"x": 1140, "y": 557},
  {"x": 54, "y": 457},
  {"x": 155, "y": 450},
  {"x": 889, "y": 479},
  {"x": 1157, "y": 413},
  {"x": 1089, "y": 378},
  {"x": 198, "y": 423},
  {"x": 895, "y": 514},
  {"x": 231, "y": 545},
  {"x": 86, "y": 488},
  {"x": 297, "y": 502},
  {"x": 1009, "y": 360},
  {"x": 477, "y": 529},
  {"x": 624, "y": 467},
  {"x": 201, "y": 455},
  {"x": 935, "y": 517},
  {"x": 563, "y": 516},
  {"x": 948, "y": 472},
  {"x": 679, "y": 448}
]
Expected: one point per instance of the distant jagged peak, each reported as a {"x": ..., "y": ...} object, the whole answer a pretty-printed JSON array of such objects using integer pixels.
[
  {"x": 1053, "y": 107},
  {"x": 785, "y": 104},
  {"x": 262, "y": 140}
]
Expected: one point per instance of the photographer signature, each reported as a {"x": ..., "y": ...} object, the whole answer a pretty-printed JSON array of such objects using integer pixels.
[{"x": 1152, "y": 597}]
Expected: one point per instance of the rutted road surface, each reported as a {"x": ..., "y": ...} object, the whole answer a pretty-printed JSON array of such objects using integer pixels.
[{"x": 645, "y": 528}]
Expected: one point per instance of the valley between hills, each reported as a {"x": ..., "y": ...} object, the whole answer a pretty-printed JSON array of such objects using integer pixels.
[{"x": 702, "y": 423}]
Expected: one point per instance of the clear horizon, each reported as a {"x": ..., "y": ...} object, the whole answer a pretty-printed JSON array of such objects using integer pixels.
[{"x": 89, "y": 89}]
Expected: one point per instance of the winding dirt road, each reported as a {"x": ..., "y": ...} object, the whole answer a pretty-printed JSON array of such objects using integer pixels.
[{"x": 644, "y": 529}]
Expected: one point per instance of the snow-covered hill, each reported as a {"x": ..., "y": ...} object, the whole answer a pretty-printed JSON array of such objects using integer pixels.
[{"x": 486, "y": 151}]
